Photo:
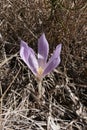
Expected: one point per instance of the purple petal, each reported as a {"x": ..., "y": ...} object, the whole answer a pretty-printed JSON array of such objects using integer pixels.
[
  {"x": 25, "y": 51},
  {"x": 33, "y": 64},
  {"x": 43, "y": 50},
  {"x": 54, "y": 60}
]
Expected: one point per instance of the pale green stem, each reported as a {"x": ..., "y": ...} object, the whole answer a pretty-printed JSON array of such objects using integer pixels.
[{"x": 40, "y": 89}]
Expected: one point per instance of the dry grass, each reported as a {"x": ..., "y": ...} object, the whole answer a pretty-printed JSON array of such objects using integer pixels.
[{"x": 64, "y": 103}]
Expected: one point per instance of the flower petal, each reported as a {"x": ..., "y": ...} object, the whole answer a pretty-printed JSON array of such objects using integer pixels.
[
  {"x": 54, "y": 61},
  {"x": 25, "y": 51},
  {"x": 33, "y": 64},
  {"x": 43, "y": 50}
]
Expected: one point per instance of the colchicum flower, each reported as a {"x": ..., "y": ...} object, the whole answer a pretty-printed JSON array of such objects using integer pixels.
[{"x": 39, "y": 66}]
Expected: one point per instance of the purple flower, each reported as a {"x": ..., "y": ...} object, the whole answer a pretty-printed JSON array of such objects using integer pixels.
[{"x": 39, "y": 66}]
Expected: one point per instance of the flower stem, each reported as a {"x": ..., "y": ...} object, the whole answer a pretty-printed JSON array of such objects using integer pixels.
[{"x": 40, "y": 89}]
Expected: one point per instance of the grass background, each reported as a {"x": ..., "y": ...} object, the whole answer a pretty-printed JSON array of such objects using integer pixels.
[{"x": 63, "y": 106}]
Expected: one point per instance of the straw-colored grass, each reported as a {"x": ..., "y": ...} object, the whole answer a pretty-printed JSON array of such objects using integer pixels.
[{"x": 64, "y": 102}]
